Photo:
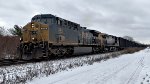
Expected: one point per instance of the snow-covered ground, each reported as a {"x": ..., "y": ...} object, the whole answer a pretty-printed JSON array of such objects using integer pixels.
[
  {"x": 125, "y": 69},
  {"x": 21, "y": 73}
]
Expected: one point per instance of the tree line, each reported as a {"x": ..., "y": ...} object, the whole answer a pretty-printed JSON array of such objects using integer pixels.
[
  {"x": 16, "y": 31},
  {"x": 9, "y": 41}
]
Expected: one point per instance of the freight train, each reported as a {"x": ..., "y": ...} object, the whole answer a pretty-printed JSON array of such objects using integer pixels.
[{"x": 48, "y": 36}]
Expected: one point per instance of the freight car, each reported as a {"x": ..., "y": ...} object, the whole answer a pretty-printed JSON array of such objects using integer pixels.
[{"x": 48, "y": 36}]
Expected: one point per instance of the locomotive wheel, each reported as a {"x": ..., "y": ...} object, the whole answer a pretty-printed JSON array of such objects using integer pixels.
[
  {"x": 53, "y": 52},
  {"x": 50, "y": 53},
  {"x": 37, "y": 54},
  {"x": 58, "y": 52},
  {"x": 96, "y": 50},
  {"x": 26, "y": 57},
  {"x": 67, "y": 51},
  {"x": 61, "y": 52},
  {"x": 70, "y": 51}
]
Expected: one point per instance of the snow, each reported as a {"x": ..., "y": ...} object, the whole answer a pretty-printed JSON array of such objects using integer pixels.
[
  {"x": 21, "y": 73},
  {"x": 125, "y": 69}
]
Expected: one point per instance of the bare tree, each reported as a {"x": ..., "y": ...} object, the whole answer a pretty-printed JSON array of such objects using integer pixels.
[{"x": 2, "y": 31}]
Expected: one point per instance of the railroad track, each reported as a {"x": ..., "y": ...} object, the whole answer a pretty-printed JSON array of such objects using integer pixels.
[{"x": 9, "y": 62}]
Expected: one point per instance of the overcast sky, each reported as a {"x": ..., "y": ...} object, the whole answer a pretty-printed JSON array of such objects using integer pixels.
[{"x": 115, "y": 17}]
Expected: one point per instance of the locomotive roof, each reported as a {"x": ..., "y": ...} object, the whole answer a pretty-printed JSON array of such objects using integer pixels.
[
  {"x": 53, "y": 16},
  {"x": 50, "y": 16},
  {"x": 43, "y": 16}
]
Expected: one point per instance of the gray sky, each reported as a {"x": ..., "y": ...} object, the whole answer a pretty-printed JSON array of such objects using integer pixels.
[{"x": 115, "y": 17}]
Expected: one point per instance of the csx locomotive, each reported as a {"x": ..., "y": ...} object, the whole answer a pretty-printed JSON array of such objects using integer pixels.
[{"x": 48, "y": 35}]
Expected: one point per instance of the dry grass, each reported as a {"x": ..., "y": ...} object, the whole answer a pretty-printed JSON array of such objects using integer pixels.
[{"x": 132, "y": 50}]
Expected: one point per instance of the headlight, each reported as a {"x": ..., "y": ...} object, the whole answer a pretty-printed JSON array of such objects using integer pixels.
[
  {"x": 21, "y": 39},
  {"x": 32, "y": 38},
  {"x": 32, "y": 25}
]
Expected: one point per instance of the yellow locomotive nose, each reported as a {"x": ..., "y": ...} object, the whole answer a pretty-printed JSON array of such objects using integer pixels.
[
  {"x": 35, "y": 32},
  {"x": 30, "y": 32}
]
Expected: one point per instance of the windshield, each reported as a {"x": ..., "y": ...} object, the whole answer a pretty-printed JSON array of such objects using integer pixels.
[{"x": 44, "y": 20}]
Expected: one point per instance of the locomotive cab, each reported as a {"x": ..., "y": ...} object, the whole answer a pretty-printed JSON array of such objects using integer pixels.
[
  {"x": 34, "y": 36},
  {"x": 34, "y": 32}
]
